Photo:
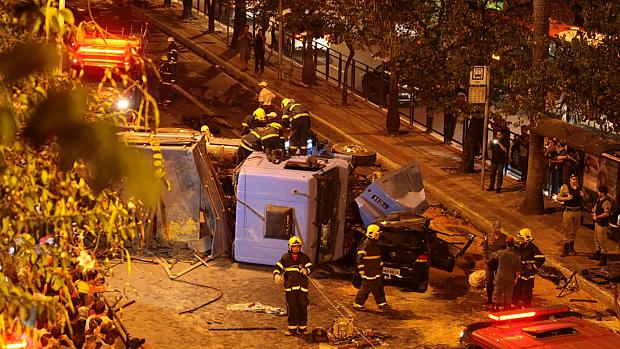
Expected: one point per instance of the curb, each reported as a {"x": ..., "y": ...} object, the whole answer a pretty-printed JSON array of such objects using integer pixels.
[{"x": 485, "y": 225}]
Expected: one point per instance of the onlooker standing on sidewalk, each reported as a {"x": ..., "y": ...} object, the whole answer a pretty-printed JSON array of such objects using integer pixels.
[
  {"x": 245, "y": 42},
  {"x": 499, "y": 151},
  {"x": 265, "y": 97},
  {"x": 259, "y": 51},
  {"x": 492, "y": 243},
  {"x": 531, "y": 260},
  {"x": 571, "y": 196},
  {"x": 449, "y": 125},
  {"x": 600, "y": 214},
  {"x": 508, "y": 266},
  {"x": 523, "y": 141}
]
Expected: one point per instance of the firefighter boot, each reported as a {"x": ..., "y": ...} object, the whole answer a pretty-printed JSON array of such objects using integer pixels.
[
  {"x": 571, "y": 248},
  {"x": 603, "y": 261},
  {"x": 596, "y": 256},
  {"x": 566, "y": 247}
]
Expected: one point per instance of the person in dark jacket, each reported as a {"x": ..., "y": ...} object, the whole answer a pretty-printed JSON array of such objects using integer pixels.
[
  {"x": 296, "y": 117},
  {"x": 272, "y": 142},
  {"x": 499, "y": 151},
  {"x": 508, "y": 266},
  {"x": 249, "y": 144},
  {"x": 531, "y": 260},
  {"x": 292, "y": 271},
  {"x": 257, "y": 119},
  {"x": 600, "y": 215},
  {"x": 370, "y": 268},
  {"x": 492, "y": 243},
  {"x": 259, "y": 51}
]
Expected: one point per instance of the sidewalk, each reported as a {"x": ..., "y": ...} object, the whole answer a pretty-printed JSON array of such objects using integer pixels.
[{"x": 365, "y": 124}]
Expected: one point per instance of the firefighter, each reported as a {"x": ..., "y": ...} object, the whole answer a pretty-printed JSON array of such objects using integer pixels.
[
  {"x": 249, "y": 143},
  {"x": 369, "y": 265},
  {"x": 257, "y": 119},
  {"x": 292, "y": 270},
  {"x": 531, "y": 260},
  {"x": 166, "y": 80},
  {"x": 296, "y": 117},
  {"x": 272, "y": 142},
  {"x": 173, "y": 56}
]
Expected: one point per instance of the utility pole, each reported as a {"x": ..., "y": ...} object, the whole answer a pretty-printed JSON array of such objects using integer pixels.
[
  {"x": 280, "y": 39},
  {"x": 485, "y": 126}
]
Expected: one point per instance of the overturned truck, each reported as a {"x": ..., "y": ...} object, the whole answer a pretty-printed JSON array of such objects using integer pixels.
[{"x": 327, "y": 199}]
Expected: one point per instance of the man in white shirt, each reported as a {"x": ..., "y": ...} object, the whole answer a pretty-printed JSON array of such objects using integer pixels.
[{"x": 265, "y": 97}]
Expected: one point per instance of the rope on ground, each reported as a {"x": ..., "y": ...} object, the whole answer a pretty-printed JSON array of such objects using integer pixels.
[{"x": 339, "y": 312}]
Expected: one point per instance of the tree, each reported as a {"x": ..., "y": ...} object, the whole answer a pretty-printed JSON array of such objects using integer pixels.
[
  {"x": 306, "y": 17},
  {"x": 57, "y": 211},
  {"x": 210, "y": 5},
  {"x": 187, "y": 9},
  {"x": 534, "y": 203},
  {"x": 345, "y": 23},
  {"x": 239, "y": 21}
]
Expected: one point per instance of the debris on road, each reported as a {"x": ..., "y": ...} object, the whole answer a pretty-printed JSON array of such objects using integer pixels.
[
  {"x": 257, "y": 307},
  {"x": 552, "y": 274},
  {"x": 477, "y": 279},
  {"x": 243, "y": 329}
]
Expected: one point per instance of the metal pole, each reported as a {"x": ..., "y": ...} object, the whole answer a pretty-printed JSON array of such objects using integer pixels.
[
  {"x": 227, "y": 21},
  {"x": 280, "y": 39},
  {"x": 485, "y": 131}
]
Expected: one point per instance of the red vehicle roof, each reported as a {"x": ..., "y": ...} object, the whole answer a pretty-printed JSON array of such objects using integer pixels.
[{"x": 565, "y": 333}]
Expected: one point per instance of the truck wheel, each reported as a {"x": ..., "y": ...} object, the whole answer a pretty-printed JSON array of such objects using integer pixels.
[{"x": 360, "y": 154}]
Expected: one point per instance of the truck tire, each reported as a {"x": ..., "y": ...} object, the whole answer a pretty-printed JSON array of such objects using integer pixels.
[{"x": 360, "y": 154}]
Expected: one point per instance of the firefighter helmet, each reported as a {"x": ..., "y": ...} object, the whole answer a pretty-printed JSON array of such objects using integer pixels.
[
  {"x": 271, "y": 115},
  {"x": 259, "y": 114},
  {"x": 170, "y": 39},
  {"x": 286, "y": 102},
  {"x": 373, "y": 231},
  {"x": 294, "y": 241},
  {"x": 163, "y": 58},
  {"x": 525, "y": 234}
]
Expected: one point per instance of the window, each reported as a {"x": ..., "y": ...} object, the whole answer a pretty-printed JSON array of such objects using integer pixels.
[{"x": 279, "y": 222}]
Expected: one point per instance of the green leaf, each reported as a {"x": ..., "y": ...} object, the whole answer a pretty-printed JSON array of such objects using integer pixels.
[{"x": 27, "y": 58}]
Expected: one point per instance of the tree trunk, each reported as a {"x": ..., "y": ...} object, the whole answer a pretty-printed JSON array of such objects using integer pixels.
[
  {"x": 211, "y": 12},
  {"x": 187, "y": 9},
  {"x": 534, "y": 203},
  {"x": 345, "y": 82},
  {"x": 392, "y": 121},
  {"x": 308, "y": 74},
  {"x": 239, "y": 22},
  {"x": 473, "y": 139}
]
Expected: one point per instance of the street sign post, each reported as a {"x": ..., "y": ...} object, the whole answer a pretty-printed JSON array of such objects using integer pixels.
[{"x": 479, "y": 79}]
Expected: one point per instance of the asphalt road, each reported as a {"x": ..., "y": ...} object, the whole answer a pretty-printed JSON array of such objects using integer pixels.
[{"x": 207, "y": 96}]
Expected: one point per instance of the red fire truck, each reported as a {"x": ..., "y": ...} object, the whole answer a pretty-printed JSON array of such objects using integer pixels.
[
  {"x": 545, "y": 327},
  {"x": 97, "y": 47}
]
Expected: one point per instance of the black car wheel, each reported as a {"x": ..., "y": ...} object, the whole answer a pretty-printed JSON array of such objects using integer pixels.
[{"x": 360, "y": 155}]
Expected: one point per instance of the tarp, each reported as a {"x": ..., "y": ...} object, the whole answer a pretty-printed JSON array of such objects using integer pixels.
[{"x": 589, "y": 139}]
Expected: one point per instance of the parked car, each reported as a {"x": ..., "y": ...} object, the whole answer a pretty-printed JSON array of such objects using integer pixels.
[
  {"x": 545, "y": 327},
  {"x": 376, "y": 87},
  {"x": 409, "y": 248}
]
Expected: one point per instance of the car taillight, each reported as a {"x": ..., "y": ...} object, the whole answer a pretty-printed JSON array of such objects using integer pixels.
[{"x": 423, "y": 258}]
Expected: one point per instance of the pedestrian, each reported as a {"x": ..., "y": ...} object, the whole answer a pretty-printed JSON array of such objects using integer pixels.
[
  {"x": 369, "y": 266},
  {"x": 259, "y": 51},
  {"x": 245, "y": 42},
  {"x": 165, "y": 81},
  {"x": 257, "y": 119},
  {"x": 552, "y": 174},
  {"x": 429, "y": 120},
  {"x": 523, "y": 142},
  {"x": 249, "y": 144},
  {"x": 508, "y": 266},
  {"x": 600, "y": 215},
  {"x": 571, "y": 196},
  {"x": 449, "y": 125},
  {"x": 499, "y": 156},
  {"x": 292, "y": 271},
  {"x": 296, "y": 117},
  {"x": 531, "y": 260},
  {"x": 492, "y": 243},
  {"x": 265, "y": 97}
]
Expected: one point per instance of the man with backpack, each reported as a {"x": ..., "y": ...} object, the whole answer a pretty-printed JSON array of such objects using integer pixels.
[{"x": 601, "y": 214}]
